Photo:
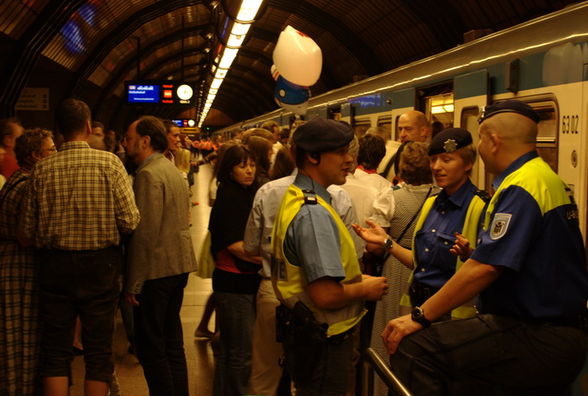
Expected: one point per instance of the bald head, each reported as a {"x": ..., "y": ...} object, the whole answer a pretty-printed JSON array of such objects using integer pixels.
[
  {"x": 504, "y": 138},
  {"x": 512, "y": 127},
  {"x": 413, "y": 126}
]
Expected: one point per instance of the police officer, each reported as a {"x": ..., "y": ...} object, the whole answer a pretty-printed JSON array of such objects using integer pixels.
[
  {"x": 315, "y": 271},
  {"x": 530, "y": 269},
  {"x": 454, "y": 211}
]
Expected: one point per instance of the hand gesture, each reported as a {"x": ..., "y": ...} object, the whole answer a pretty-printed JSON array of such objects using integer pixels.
[
  {"x": 375, "y": 234},
  {"x": 462, "y": 247},
  {"x": 396, "y": 330},
  {"x": 374, "y": 287}
]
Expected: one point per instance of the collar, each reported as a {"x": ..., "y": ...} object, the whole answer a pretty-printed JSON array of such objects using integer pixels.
[
  {"x": 368, "y": 171},
  {"x": 306, "y": 183},
  {"x": 460, "y": 196},
  {"x": 516, "y": 164},
  {"x": 149, "y": 159},
  {"x": 78, "y": 144}
]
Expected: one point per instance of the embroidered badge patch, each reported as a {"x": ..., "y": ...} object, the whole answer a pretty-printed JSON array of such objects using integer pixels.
[
  {"x": 450, "y": 146},
  {"x": 499, "y": 225}
]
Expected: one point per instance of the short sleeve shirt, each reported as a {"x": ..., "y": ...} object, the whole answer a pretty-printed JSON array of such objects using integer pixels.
[
  {"x": 533, "y": 234},
  {"x": 312, "y": 239},
  {"x": 435, "y": 264}
]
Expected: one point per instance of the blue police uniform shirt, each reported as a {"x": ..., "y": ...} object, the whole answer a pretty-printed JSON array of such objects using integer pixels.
[
  {"x": 435, "y": 264},
  {"x": 312, "y": 239},
  {"x": 541, "y": 254}
]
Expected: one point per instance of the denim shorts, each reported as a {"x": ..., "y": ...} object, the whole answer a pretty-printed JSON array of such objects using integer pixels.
[{"x": 83, "y": 283}]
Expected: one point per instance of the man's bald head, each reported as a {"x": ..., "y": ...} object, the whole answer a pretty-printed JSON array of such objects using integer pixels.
[
  {"x": 504, "y": 138},
  {"x": 413, "y": 126},
  {"x": 512, "y": 127}
]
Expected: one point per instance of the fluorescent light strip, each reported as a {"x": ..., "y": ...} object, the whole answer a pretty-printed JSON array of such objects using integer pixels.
[{"x": 245, "y": 18}]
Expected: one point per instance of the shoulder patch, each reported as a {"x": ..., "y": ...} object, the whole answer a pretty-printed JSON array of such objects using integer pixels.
[
  {"x": 499, "y": 225},
  {"x": 483, "y": 195}
]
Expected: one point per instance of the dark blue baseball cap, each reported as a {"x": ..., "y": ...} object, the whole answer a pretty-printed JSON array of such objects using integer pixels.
[
  {"x": 320, "y": 135},
  {"x": 449, "y": 140},
  {"x": 509, "y": 106}
]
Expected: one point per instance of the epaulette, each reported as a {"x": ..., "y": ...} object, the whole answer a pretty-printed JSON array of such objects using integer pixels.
[
  {"x": 483, "y": 195},
  {"x": 310, "y": 197}
]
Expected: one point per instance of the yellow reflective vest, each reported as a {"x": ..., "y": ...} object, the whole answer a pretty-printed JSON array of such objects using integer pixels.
[
  {"x": 470, "y": 231},
  {"x": 289, "y": 280}
]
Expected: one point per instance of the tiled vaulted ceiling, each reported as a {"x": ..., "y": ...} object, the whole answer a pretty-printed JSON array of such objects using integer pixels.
[{"x": 106, "y": 42}]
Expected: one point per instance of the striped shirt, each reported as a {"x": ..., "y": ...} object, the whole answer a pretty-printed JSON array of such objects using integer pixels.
[{"x": 80, "y": 199}]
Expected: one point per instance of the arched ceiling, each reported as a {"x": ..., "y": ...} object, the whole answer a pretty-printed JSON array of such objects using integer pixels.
[{"x": 106, "y": 42}]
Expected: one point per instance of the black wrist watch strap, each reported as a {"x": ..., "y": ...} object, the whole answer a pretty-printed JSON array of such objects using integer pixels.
[{"x": 418, "y": 315}]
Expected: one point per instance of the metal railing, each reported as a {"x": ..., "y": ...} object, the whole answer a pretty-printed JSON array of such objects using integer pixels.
[{"x": 379, "y": 366}]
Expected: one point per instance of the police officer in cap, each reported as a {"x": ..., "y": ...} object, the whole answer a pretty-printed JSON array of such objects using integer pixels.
[
  {"x": 315, "y": 271},
  {"x": 451, "y": 214},
  {"x": 530, "y": 271}
]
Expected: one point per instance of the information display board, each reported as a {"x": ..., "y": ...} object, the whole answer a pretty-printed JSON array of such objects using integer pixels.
[{"x": 159, "y": 92}]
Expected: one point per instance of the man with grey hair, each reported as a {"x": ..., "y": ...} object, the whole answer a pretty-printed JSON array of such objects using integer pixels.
[
  {"x": 160, "y": 257},
  {"x": 413, "y": 126}
]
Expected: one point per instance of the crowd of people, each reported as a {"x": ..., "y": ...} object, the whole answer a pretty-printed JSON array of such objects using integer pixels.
[{"x": 323, "y": 244}]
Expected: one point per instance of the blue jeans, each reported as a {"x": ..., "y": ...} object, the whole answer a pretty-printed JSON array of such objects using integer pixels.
[
  {"x": 235, "y": 314},
  {"x": 159, "y": 338}
]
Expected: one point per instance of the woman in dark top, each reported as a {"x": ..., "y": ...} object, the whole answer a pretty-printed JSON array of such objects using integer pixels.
[{"x": 235, "y": 279}]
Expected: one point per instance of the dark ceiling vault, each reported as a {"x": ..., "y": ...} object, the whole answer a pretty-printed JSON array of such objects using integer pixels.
[{"x": 358, "y": 39}]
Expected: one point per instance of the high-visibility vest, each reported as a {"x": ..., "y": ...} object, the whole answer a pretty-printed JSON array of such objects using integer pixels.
[
  {"x": 289, "y": 280},
  {"x": 470, "y": 231}
]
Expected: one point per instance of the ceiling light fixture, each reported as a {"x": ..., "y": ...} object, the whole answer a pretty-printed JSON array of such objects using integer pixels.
[{"x": 241, "y": 25}]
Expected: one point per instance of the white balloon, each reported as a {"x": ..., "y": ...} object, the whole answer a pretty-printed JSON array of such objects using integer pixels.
[
  {"x": 297, "y": 57},
  {"x": 274, "y": 71}
]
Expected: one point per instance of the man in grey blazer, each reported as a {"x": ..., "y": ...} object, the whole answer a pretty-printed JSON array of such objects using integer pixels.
[{"x": 160, "y": 256}]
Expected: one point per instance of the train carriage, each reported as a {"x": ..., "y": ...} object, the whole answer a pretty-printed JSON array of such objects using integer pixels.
[{"x": 543, "y": 62}]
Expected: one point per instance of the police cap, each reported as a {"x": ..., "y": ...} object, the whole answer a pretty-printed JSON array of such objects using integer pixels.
[
  {"x": 320, "y": 135},
  {"x": 509, "y": 106},
  {"x": 449, "y": 140}
]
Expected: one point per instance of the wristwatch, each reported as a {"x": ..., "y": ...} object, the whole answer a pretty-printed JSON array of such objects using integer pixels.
[
  {"x": 388, "y": 242},
  {"x": 418, "y": 315}
]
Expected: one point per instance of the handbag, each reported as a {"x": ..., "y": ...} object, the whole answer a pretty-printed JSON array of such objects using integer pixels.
[{"x": 206, "y": 263}]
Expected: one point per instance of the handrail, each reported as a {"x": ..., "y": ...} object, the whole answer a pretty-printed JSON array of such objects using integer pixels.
[{"x": 378, "y": 365}]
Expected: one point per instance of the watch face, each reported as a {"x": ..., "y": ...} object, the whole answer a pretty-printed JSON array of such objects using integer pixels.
[{"x": 185, "y": 92}]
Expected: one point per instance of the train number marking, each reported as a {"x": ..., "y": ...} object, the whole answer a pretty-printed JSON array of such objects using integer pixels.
[{"x": 569, "y": 124}]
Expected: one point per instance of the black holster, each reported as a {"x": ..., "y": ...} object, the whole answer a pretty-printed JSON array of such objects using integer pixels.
[{"x": 303, "y": 337}]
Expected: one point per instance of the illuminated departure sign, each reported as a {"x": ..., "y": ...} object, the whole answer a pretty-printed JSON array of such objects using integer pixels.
[
  {"x": 168, "y": 92},
  {"x": 186, "y": 123}
]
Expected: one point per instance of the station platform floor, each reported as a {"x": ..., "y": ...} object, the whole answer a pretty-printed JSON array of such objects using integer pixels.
[{"x": 199, "y": 354}]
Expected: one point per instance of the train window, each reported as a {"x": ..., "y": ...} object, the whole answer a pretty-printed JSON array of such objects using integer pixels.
[
  {"x": 547, "y": 132},
  {"x": 361, "y": 126},
  {"x": 386, "y": 123}
]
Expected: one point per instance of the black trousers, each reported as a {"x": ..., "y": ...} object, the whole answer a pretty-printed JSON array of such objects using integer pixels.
[
  {"x": 83, "y": 283},
  {"x": 489, "y": 355},
  {"x": 159, "y": 337}
]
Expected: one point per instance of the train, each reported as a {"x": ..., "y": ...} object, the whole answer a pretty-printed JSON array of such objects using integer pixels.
[{"x": 543, "y": 62}]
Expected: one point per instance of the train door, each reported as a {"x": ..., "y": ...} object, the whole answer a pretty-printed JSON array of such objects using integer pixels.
[{"x": 471, "y": 95}]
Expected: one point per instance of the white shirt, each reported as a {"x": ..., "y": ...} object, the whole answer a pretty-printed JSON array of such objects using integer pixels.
[
  {"x": 391, "y": 149},
  {"x": 364, "y": 188},
  {"x": 385, "y": 204}
]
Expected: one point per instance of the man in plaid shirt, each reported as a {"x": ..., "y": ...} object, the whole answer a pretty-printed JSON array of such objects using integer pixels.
[{"x": 79, "y": 203}]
